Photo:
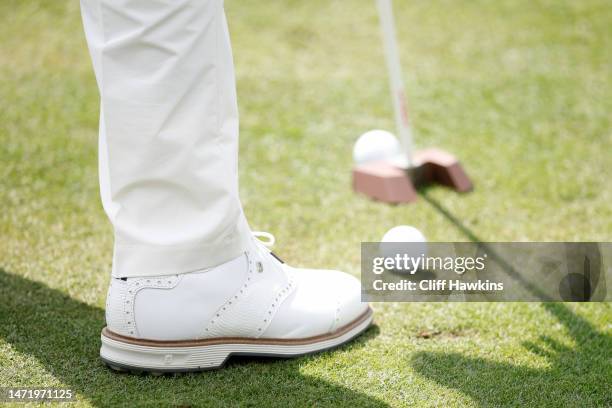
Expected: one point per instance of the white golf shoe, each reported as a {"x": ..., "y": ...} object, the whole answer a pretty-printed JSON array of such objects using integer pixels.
[{"x": 252, "y": 305}]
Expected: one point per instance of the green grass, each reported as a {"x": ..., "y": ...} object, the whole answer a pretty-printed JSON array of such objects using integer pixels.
[{"x": 519, "y": 90}]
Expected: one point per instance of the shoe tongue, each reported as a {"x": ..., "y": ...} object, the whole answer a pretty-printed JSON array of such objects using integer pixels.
[{"x": 277, "y": 257}]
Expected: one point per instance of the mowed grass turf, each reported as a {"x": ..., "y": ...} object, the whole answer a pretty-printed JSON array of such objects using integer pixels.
[{"x": 519, "y": 90}]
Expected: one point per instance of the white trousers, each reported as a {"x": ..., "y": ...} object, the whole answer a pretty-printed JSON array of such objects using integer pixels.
[{"x": 168, "y": 142}]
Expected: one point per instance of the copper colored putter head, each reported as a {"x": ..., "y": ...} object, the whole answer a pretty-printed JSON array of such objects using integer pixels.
[{"x": 385, "y": 182}]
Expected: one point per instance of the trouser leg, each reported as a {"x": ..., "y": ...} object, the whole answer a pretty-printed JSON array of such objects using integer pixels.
[{"x": 168, "y": 133}]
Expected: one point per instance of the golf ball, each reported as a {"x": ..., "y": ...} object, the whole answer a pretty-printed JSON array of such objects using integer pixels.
[
  {"x": 376, "y": 145},
  {"x": 403, "y": 240}
]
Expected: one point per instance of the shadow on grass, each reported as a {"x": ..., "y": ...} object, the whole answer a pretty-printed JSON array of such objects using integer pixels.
[
  {"x": 63, "y": 335},
  {"x": 494, "y": 256},
  {"x": 576, "y": 375},
  {"x": 424, "y": 192}
]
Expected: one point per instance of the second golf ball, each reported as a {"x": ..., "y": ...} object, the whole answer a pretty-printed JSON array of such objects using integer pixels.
[{"x": 403, "y": 240}]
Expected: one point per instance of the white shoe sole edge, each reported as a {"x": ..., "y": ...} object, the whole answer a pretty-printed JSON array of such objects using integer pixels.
[{"x": 125, "y": 354}]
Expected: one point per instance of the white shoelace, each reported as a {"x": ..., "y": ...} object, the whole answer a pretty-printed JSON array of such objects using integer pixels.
[
  {"x": 269, "y": 238},
  {"x": 265, "y": 246}
]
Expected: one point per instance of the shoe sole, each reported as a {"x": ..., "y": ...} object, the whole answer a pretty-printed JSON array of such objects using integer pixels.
[{"x": 123, "y": 353}]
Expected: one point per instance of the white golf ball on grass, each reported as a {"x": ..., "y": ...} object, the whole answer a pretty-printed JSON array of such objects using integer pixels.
[
  {"x": 376, "y": 145},
  {"x": 404, "y": 241}
]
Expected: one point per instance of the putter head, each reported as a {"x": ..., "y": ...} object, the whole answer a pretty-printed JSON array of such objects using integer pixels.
[
  {"x": 389, "y": 183},
  {"x": 440, "y": 167},
  {"x": 384, "y": 182}
]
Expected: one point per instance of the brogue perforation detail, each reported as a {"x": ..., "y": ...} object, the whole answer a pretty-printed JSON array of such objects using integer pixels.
[
  {"x": 278, "y": 300},
  {"x": 233, "y": 299},
  {"x": 135, "y": 285}
]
